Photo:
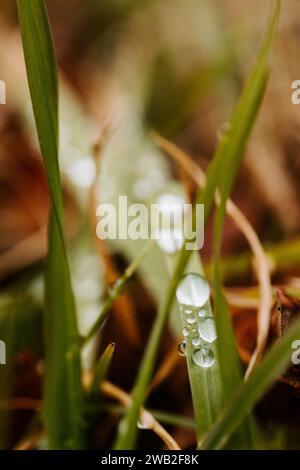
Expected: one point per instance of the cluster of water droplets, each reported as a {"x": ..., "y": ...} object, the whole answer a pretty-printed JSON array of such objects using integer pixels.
[{"x": 193, "y": 294}]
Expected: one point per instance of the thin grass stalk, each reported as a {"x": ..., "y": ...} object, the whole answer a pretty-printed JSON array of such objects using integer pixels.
[{"x": 63, "y": 394}]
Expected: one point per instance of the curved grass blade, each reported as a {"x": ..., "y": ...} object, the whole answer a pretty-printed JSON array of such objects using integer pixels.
[
  {"x": 231, "y": 149},
  {"x": 127, "y": 432},
  {"x": 251, "y": 391},
  {"x": 63, "y": 388}
]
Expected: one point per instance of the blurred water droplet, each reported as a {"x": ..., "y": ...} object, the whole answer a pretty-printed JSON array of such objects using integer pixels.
[
  {"x": 203, "y": 357},
  {"x": 171, "y": 206},
  {"x": 202, "y": 313},
  {"x": 185, "y": 332},
  {"x": 144, "y": 426},
  {"x": 82, "y": 172},
  {"x": 191, "y": 320},
  {"x": 193, "y": 291},
  {"x": 168, "y": 223},
  {"x": 196, "y": 341},
  {"x": 169, "y": 241},
  {"x": 207, "y": 330},
  {"x": 182, "y": 348}
]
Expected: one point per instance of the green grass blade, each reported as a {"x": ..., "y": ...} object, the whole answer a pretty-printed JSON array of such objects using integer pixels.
[
  {"x": 43, "y": 83},
  {"x": 251, "y": 391},
  {"x": 231, "y": 150},
  {"x": 101, "y": 370},
  {"x": 206, "y": 383},
  {"x": 63, "y": 388},
  {"x": 127, "y": 432}
]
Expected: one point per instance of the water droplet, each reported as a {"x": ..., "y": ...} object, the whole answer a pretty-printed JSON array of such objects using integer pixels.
[
  {"x": 204, "y": 357},
  {"x": 224, "y": 130},
  {"x": 191, "y": 320},
  {"x": 207, "y": 330},
  {"x": 167, "y": 228},
  {"x": 193, "y": 291},
  {"x": 142, "y": 425},
  {"x": 182, "y": 348},
  {"x": 188, "y": 311},
  {"x": 82, "y": 172},
  {"x": 169, "y": 241},
  {"x": 170, "y": 205},
  {"x": 196, "y": 341},
  {"x": 202, "y": 313},
  {"x": 185, "y": 332}
]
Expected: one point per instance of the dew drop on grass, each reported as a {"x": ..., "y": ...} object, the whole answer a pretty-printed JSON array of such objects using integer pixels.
[
  {"x": 182, "y": 348},
  {"x": 168, "y": 226},
  {"x": 188, "y": 311},
  {"x": 191, "y": 320},
  {"x": 202, "y": 313},
  {"x": 169, "y": 241},
  {"x": 193, "y": 291},
  {"x": 207, "y": 330},
  {"x": 196, "y": 341},
  {"x": 203, "y": 357},
  {"x": 185, "y": 332},
  {"x": 171, "y": 205}
]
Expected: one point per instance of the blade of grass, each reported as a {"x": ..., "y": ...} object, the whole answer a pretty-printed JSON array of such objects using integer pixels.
[
  {"x": 127, "y": 431},
  {"x": 251, "y": 391},
  {"x": 232, "y": 149},
  {"x": 206, "y": 383},
  {"x": 101, "y": 370},
  {"x": 62, "y": 388}
]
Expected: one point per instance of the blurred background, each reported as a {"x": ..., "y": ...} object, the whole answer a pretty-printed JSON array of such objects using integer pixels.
[{"x": 127, "y": 68}]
